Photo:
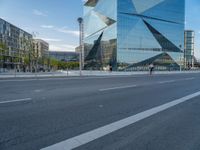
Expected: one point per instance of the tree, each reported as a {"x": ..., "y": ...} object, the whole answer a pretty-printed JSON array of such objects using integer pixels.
[
  {"x": 57, "y": 64},
  {"x": 53, "y": 63},
  {"x": 3, "y": 53},
  {"x": 67, "y": 65}
]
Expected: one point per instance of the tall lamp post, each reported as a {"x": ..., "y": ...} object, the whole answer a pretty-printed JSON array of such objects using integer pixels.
[
  {"x": 181, "y": 58},
  {"x": 80, "y": 21}
]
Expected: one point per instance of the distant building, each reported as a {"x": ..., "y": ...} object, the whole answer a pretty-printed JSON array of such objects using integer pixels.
[
  {"x": 64, "y": 56},
  {"x": 18, "y": 42},
  {"x": 189, "y": 48},
  {"x": 77, "y": 49},
  {"x": 41, "y": 53},
  {"x": 41, "y": 48}
]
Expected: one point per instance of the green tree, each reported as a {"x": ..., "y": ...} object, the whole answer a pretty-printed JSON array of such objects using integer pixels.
[
  {"x": 57, "y": 65},
  {"x": 53, "y": 63},
  {"x": 68, "y": 65},
  {"x": 26, "y": 61},
  {"x": 3, "y": 53}
]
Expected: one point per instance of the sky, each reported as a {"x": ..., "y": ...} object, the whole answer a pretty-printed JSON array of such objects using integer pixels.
[{"x": 56, "y": 20}]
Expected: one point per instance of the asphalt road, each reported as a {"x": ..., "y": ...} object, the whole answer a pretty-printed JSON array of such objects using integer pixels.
[{"x": 38, "y": 113}]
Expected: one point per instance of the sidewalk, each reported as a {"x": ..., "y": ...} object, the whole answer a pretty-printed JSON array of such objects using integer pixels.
[
  {"x": 86, "y": 73},
  {"x": 31, "y": 75}
]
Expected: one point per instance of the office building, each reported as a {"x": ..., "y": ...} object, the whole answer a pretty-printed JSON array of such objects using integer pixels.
[
  {"x": 131, "y": 34},
  {"x": 18, "y": 43},
  {"x": 189, "y": 48}
]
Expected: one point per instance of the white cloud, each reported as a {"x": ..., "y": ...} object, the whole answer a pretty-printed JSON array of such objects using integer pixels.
[
  {"x": 67, "y": 31},
  {"x": 50, "y": 39},
  {"x": 69, "y": 46},
  {"x": 62, "y": 47},
  {"x": 84, "y": 1},
  {"x": 39, "y": 13},
  {"x": 62, "y": 30},
  {"x": 4, "y": 18},
  {"x": 47, "y": 26}
]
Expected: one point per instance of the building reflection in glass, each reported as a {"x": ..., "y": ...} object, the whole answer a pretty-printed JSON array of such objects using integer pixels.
[{"x": 131, "y": 34}]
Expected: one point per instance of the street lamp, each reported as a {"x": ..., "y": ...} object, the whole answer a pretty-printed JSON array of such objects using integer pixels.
[
  {"x": 80, "y": 21},
  {"x": 181, "y": 58}
]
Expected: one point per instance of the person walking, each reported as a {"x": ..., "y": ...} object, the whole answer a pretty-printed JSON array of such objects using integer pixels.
[
  {"x": 151, "y": 67},
  {"x": 110, "y": 68}
]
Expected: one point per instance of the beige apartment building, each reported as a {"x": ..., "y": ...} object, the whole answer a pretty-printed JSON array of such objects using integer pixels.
[
  {"x": 41, "y": 52},
  {"x": 41, "y": 48}
]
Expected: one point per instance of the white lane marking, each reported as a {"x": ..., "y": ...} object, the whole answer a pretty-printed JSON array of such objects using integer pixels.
[
  {"x": 17, "y": 100},
  {"x": 87, "y": 137},
  {"x": 38, "y": 90},
  {"x": 117, "y": 88},
  {"x": 186, "y": 79},
  {"x": 163, "y": 82},
  {"x": 171, "y": 81}
]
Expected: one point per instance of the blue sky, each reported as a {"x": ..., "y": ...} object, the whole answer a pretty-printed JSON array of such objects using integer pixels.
[
  {"x": 55, "y": 20},
  {"x": 51, "y": 20}
]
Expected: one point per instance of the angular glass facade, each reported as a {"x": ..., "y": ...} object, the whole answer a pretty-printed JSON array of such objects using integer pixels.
[{"x": 131, "y": 34}]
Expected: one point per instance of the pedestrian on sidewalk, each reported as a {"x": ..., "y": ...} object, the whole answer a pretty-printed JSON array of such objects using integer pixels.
[
  {"x": 151, "y": 68},
  {"x": 110, "y": 67}
]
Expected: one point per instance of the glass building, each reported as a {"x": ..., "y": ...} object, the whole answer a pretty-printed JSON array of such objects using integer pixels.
[
  {"x": 189, "y": 48},
  {"x": 131, "y": 34},
  {"x": 18, "y": 44},
  {"x": 64, "y": 56}
]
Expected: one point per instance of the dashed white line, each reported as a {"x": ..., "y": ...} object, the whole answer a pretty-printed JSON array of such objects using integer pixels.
[
  {"x": 163, "y": 82},
  {"x": 117, "y": 88},
  {"x": 132, "y": 86},
  {"x": 90, "y": 136},
  {"x": 186, "y": 79},
  {"x": 171, "y": 81},
  {"x": 17, "y": 100}
]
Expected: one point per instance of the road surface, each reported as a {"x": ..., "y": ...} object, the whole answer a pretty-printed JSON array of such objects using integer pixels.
[{"x": 159, "y": 112}]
